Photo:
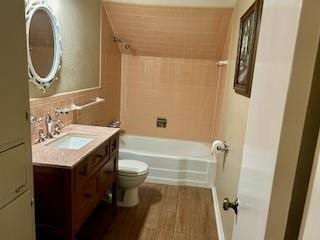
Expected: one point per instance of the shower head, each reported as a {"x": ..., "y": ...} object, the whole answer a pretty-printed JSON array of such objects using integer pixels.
[{"x": 119, "y": 40}]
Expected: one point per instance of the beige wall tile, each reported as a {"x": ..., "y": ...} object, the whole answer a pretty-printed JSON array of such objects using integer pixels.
[
  {"x": 178, "y": 32},
  {"x": 182, "y": 90}
]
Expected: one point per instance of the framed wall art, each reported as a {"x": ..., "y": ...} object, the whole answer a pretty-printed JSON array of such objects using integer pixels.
[{"x": 247, "y": 47}]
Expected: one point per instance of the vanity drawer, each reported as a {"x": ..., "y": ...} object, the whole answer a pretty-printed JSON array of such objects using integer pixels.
[
  {"x": 13, "y": 178},
  {"x": 106, "y": 175},
  {"x": 100, "y": 157},
  {"x": 114, "y": 145}
]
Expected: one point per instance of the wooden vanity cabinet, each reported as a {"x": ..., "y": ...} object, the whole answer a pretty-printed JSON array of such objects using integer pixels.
[{"x": 66, "y": 197}]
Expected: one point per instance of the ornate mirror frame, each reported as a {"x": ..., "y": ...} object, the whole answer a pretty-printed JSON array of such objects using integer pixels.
[{"x": 43, "y": 83}]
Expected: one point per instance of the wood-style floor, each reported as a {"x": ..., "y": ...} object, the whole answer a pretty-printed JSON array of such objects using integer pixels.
[{"x": 164, "y": 213}]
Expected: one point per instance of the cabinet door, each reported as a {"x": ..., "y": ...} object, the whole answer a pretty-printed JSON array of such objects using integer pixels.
[
  {"x": 13, "y": 74},
  {"x": 16, "y": 219},
  {"x": 13, "y": 173}
]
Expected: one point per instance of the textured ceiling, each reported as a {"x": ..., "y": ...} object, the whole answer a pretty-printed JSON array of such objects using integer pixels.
[{"x": 180, "y": 32}]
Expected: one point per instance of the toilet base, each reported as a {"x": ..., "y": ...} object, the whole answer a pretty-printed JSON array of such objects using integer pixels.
[{"x": 129, "y": 198}]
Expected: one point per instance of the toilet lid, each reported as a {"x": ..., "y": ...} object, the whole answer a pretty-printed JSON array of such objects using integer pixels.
[{"x": 134, "y": 167}]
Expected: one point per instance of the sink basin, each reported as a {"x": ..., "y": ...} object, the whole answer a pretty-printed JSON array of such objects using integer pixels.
[{"x": 72, "y": 141}]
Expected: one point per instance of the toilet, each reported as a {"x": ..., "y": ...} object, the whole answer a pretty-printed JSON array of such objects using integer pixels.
[{"x": 131, "y": 174}]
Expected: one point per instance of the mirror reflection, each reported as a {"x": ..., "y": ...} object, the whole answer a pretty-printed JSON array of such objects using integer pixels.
[{"x": 41, "y": 42}]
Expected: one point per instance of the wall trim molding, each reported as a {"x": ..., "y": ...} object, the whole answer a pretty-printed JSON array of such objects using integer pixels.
[
  {"x": 217, "y": 214},
  {"x": 168, "y": 181}
]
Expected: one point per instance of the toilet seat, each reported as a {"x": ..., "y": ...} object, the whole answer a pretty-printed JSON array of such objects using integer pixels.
[{"x": 132, "y": 167}]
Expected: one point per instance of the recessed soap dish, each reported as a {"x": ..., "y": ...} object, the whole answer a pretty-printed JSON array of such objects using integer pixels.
[{"x": 161, "y": 122}]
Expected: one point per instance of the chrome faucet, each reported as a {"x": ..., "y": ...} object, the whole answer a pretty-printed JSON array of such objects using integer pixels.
[{"x": 49, "y": 125}]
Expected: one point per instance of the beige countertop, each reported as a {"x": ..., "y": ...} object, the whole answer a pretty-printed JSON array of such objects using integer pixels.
[{"x": 46, "y": 155}]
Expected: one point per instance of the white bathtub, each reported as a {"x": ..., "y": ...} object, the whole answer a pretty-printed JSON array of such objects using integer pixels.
[{"x": 171, "y": 161}]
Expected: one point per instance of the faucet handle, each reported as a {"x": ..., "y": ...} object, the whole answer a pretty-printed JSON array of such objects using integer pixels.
[
  {"x": 42, "y": 136},
  {"x": 34, "y": 119},
  {"x": 115, "y": 124},
  {"x": 41, "y": 132},
  {"x": 58, "y": 125}
]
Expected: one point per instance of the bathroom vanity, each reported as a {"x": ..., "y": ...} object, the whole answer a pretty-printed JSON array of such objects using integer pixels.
[{"x": 71, "y": 175}]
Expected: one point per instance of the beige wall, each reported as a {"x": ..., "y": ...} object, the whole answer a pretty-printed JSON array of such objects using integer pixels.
[
  {"x": 300, "y": 123},
  {"x": 110, "y": 90},
  {"x": 80, "y": 26},
  {"x": 181, "y": 90},
  {"x": 231, "y": 120},
  {"x": 279, "y": 132}
]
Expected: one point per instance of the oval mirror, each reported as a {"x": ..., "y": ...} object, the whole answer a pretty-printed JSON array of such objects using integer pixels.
[{"x": 44, "y": 44}]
